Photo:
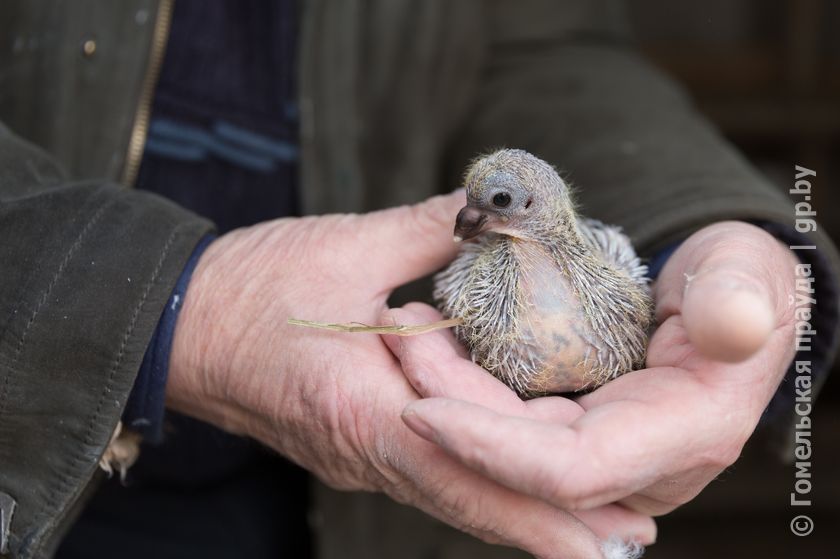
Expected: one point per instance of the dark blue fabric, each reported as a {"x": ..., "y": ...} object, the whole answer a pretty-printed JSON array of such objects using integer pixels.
[
  {"x": 223, "y": 134},
  {"x": 237, "y": 146},
  {"x": 660, "y": 259},
  {"x": 144, "y": 411},
  {"x": 223, "y": 142}
]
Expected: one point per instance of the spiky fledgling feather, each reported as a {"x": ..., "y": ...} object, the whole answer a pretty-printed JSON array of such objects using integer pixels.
[{"x": 484, "y": 286}]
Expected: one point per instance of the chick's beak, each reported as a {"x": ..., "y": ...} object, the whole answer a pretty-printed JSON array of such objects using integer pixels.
[{"x": 469, "y": 223}]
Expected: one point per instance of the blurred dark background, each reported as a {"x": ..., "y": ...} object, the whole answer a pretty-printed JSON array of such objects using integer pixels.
[{"x": 768, "y": 74}]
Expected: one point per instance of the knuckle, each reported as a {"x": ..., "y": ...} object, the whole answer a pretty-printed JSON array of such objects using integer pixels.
[
  {"x": 431, "y": 216},
  {"x": 676, "y": 499},
  {"x": 420, "y": 219},
  {"x": 565, "y": 490},
  {"x": 476, "y": 518},
  {"x": 575, "y": 487},
  {"x": 728, "y": 456},
  {"x": 722, "y": 457},
  {"x": 478, "y": 455},
  {"x": 415, "y": 366},
  {"x": 352, "y": 445}
]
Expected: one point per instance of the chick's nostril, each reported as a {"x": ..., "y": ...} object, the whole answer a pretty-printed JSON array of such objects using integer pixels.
[{"x": 469, "y": 222}]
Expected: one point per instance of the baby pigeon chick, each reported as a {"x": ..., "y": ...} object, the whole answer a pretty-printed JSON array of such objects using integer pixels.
[{"x": 548, "y": 301}]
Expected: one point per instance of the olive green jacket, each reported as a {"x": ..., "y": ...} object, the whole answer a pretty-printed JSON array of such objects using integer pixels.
[{"x": 395, "y": 96}]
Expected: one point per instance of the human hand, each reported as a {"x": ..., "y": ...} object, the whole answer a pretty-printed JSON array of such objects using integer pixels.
[
  {"x": 651, "y": 439},
  {"x": 331, "y": 402}
]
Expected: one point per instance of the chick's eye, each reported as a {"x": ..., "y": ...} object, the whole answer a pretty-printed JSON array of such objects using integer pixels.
[{"x": 501, "y": 200}]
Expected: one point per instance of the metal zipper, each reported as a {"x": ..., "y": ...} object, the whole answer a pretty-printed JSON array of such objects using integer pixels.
[{"x": 137, "y": 141}]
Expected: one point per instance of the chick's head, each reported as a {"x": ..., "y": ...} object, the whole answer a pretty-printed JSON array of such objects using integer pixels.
[{"x": 513, "y": 193}]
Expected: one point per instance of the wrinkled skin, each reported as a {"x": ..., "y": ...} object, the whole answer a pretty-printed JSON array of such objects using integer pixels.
[
  {"x": 504, "y": 470},
  {"x": 653, "y": 438},
  {"x": 332, "y": 402}
]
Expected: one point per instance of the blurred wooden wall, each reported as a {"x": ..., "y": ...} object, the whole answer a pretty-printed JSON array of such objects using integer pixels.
[{"x": 767, "y": 72}]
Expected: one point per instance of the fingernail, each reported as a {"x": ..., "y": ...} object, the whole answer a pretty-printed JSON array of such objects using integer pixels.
[
  {"x": 419, "y": 425},
  {"x": 400, "y": 342},
  {"x": 394, "y": 342}
]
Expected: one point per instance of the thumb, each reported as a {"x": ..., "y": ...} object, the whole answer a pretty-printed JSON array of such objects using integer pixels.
[
  {"x": 409, "y": 242},
  {"x": 725, "y": 318},
  {"x": 735, "y": 282}
]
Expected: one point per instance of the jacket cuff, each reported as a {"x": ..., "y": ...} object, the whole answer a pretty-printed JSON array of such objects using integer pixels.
[
  {"x": 146, "y": 404},
  {"x": 79, "y": 306}
]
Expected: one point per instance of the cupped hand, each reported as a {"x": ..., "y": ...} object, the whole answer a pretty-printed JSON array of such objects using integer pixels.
[
  {"x": 332, "y": 402},
  {"x": 651, "y": 439}
]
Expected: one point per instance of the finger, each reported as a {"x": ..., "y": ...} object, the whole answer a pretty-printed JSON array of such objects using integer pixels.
[
  {"x": 425, "y": 314},
  {"x": 498, "y": 515},
  {"x": 585, "y": 464},
  {"x": 518, "y": 453},
  {"x": 410, "y": 242},
  {"x": 435, "y": 368},
  {"x": 554, "y": 409},
  {"x": 730, "y": 283},
  {"x": 434, "y": 371},
  {"x": 615, "y": 520},
  {"x": 667, "y": 495},
  {"x": 727, "y": 318}
]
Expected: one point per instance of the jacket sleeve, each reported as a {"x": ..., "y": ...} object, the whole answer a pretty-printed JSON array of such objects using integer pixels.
[
  {"x": 572, "y": 90},
  {"x": 86, "y": 270}
]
